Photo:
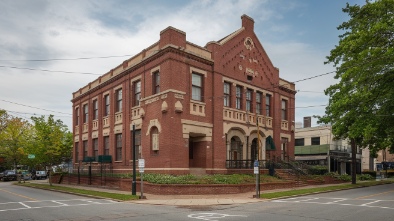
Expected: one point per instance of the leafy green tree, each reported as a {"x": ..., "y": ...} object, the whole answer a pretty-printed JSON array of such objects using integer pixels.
[
  {"x": 13, "y": 141},
  {"x": 4, "y": 117},
  {"x": 52, "y": 141},
  {"x": 361, "y": 105}
]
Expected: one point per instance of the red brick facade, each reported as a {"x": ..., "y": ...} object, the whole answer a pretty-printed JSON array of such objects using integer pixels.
[{"x": 182, "y": 118}]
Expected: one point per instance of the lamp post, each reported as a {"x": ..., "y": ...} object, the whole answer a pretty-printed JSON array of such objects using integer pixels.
[{"x": 134, "y": 184}]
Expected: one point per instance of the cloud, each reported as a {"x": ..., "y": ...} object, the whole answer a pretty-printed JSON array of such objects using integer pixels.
[{"x": 73, "y": 29}]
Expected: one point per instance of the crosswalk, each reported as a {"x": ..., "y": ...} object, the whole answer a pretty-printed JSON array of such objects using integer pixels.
[
  {"x": 14, "y": 206},
  {"x": 375, "y": 203}
]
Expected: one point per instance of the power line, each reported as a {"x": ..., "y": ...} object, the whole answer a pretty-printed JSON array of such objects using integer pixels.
[
  {"x": 72, "y": 59},
  {"x": 33, "y": 69},
  {"x": 310, "y": 91},
  {"x": 33, "y": 114},
  {"x": 322, "y": 105},
  {"x": 35, "y": 107},
  {"x": 315, "y": 76}
]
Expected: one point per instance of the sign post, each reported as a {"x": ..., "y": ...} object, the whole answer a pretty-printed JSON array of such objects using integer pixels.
[
  {"x": 141, "y": 165},
  {"x": 257, "y": 172}
]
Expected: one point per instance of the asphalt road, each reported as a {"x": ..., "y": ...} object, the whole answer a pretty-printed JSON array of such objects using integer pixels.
[{"x": 372, "y": 203}]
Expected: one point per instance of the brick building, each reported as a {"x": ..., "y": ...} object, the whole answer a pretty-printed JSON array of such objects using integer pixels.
[{"x": 191, "y": 107}]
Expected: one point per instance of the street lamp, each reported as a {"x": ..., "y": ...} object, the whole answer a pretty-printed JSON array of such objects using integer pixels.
[{"x": 134, "y": 184}]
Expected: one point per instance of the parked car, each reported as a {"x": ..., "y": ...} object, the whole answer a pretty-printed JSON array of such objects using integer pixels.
[
  {"x": 8, "y": 175},
  {"x": 26, "y": 175},
  {"x": 38, "y": 175}
]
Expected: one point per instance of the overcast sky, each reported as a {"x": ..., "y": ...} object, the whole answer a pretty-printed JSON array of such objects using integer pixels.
[{"x": 296, "y": 34}]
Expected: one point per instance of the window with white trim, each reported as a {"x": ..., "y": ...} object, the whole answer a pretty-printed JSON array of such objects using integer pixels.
[
  {"x": 197, "y": 87},
  {"x": 238, "y": 97},
  {"x": 118, "y": 138},
  {"x": 137, "y": 93},
  {"x": 249, "y": 100},
  {"x": 118, "y": 100},
  {"x": 227, "y": 94}
]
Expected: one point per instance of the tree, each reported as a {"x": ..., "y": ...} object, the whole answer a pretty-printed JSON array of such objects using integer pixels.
[
  {"x": 14, "y": 140},
  {"x": 53, "y": 142},
  {"x": 361, "y": 105},
  {"x": 3, "y": 120}
]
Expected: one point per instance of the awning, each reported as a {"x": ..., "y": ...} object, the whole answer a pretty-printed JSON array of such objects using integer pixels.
[
  {"x": 269, "y": 143},
  {"x": 311, "y": 157}
]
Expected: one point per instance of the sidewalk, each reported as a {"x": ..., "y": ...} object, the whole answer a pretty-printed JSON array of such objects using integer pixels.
[{"x": 188, "y": 200}]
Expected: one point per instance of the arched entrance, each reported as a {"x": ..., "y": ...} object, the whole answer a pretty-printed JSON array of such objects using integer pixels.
[{"x": 236, "y": 153}]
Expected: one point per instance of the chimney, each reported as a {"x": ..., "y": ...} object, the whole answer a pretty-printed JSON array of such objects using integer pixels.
[
  {"x": 247, "y": 22},
  {"x": 172, "y": 36},
  {"x": 307, "y": 122}
]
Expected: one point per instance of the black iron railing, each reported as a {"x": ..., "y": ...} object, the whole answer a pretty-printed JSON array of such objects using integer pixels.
[{"x": 245, "y": 164}]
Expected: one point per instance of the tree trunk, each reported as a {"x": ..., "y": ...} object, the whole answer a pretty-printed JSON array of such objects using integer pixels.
[{"x": 354, "y": 161}]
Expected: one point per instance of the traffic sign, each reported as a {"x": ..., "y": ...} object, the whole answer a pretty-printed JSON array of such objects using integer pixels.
[
  {"x": 256, "y": 167},
  {"x": 31, "y": 156},
  {"x": 141, "y": 163}
]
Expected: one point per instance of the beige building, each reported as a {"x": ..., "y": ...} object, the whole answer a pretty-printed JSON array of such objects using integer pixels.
[{"x": 316, "y": 146}]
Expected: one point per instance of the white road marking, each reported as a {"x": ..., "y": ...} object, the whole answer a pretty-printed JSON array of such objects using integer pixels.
[
  {"x": 211, "y": 216},
  {"x": 336, "y": 202},
  {"x": 56, "y": 204},
  {"x": 24, "y": 205},
  {"x": 367, "y": 204}
]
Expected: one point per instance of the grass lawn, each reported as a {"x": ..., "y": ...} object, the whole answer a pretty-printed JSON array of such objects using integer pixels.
[
  {"x": 322, "y": 189},
  {"x": 115, "y": 196}
]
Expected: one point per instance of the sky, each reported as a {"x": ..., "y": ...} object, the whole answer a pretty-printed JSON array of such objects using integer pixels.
[{"x": 51, "y": 48}]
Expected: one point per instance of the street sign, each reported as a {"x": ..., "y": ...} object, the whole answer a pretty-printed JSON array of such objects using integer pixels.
[
  {"x": 141, "y": 163},
  {"x": 31, "y": 156},
  {"x": 256, "y": 167}
]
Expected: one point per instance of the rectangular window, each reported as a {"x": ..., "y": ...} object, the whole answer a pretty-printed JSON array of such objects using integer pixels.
[
  {"x": 227, "y": 94},
  {"x": 106, "y": 145},
  {"x": 258, "y": 102},
  {"x": 268, "y": 105},
  {"x": 85, "y": 149},
  {"x": 106, "y": 105},
  {"x": 299, "y": 142},
  {"x": 137, "y": 93},
  {"x": 138, "y": 143},
  {"x": 118, "y": 147},
  {"x": 77, "y": 116},
  {"x": 196, "y": 87},
  {"x": 95, "y": 110},
  {"x": 85, "y": 113},
  {"x": 284, "y": 109},
  {"x": 156, "y": 82},
  {"x": 315, "y": 140},
  {"x": 118, "y": 100},
  {"x": 249, "y": 100},
  {"x": 76, "y": 152},
  {"x": 95, "y": 148},
  {"x": 238, "y": 97}
]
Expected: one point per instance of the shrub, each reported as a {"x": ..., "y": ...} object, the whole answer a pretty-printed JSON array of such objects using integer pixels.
[
  {"x": 370, "y": 172},
  {"x": 343, "y": 177},
  {"x": 318, "y": 170},
  {"x": 365, "y": 177}
]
